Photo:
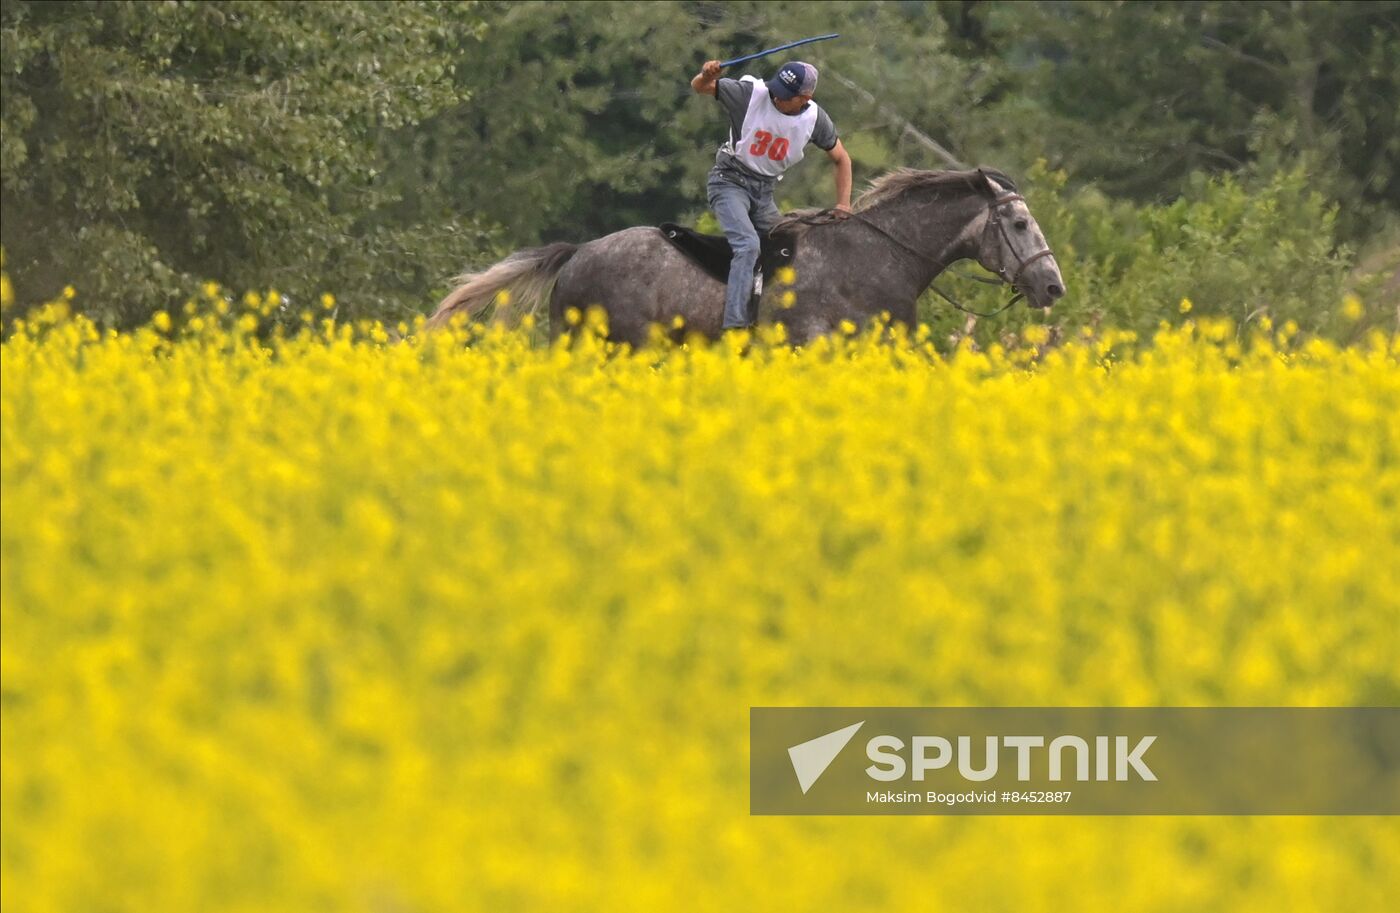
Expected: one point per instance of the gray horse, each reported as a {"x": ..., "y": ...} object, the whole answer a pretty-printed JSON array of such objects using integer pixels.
[{"x": 905, "y": 230}]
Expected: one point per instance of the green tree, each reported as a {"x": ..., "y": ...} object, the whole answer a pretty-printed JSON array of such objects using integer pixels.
[
  {"x": 147, "y": 146},
  {"x": 1139, "y": 96}
]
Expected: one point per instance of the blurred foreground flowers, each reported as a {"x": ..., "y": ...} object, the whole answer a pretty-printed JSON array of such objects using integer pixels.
[{"x": 352, "y": 619}]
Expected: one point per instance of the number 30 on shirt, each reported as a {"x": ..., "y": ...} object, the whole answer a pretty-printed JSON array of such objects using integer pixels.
[{"x": 763, "y": 142}]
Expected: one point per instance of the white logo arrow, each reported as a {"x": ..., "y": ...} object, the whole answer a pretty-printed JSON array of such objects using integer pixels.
[{"x": 811, "y": 759}]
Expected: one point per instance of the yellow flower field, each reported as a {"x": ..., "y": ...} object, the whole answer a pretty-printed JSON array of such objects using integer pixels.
[{"x": 336, "y": 622}]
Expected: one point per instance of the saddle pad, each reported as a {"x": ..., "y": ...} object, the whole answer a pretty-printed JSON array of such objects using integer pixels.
[{"x": 712, "y": 252}]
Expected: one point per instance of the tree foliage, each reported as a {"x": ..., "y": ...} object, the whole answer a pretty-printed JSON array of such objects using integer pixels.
[
  {"x": 1139, "y": 96},
  {"x": 375, "y": 149},
  {"x": 151, "y": 145}
]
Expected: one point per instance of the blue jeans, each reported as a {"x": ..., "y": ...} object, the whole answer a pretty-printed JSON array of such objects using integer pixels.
[{"x": 745, "y": 210}]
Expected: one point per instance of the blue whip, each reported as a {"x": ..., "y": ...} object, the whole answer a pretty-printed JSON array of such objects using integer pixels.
[{"x": 781, "y": 47}]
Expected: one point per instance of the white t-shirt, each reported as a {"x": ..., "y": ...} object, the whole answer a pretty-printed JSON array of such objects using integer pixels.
[{"x": 763, "y": 140}]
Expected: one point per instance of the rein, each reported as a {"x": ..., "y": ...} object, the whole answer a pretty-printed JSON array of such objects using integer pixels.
[{"x": 828, "y": 216}]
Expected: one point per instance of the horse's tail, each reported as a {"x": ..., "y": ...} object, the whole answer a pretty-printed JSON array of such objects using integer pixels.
[{"x": 517, "y": 285}]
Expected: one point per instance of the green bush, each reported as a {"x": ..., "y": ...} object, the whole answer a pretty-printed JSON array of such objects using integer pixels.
[{"x": 1244, "y": 248}]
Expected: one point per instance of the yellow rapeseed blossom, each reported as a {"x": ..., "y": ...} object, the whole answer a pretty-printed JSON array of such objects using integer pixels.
[
  {"x": 1036, "y": 334},
  {"x": 1185, "y": 306},
  {"x": 313, "y": 620},
  {"x": 1352, "y": 308}
]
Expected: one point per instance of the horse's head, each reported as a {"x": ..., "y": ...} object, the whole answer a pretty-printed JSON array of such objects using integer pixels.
[{"x": 1013, "y": 247}]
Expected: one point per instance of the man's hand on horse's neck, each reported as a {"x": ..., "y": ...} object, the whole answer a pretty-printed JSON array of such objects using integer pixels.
[{"x": 841, "y": 161}]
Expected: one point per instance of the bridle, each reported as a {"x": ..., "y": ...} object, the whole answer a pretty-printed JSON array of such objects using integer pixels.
[{"x": 994, "y": 219}]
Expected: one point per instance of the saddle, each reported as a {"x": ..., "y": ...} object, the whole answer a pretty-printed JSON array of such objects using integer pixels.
[{"x": 712, "y": 253}]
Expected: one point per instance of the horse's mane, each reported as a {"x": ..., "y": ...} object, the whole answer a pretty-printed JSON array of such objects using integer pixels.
[{"x": 900, "y": 181}]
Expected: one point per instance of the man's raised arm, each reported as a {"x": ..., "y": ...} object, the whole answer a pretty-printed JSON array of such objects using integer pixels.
[{"x": 704, "y": 81}]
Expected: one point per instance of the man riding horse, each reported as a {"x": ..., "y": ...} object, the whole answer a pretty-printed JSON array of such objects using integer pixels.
[
  {"x": 900, "y": 236},
  {"x": 769, "y": 126}
]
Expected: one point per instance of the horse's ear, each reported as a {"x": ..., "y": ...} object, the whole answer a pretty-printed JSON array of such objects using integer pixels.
[{"x": 997, "y": 183}]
